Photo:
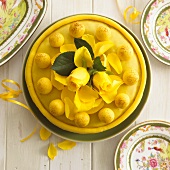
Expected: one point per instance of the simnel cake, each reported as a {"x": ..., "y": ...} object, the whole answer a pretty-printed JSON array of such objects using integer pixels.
[{"x": 86, "y": 74}]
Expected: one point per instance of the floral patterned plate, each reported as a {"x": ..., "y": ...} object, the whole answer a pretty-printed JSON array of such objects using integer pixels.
[
  {"x": 18, "y": 21},
  {"x": 155, "y": 29},
  {"x": 145, "y": 147}
]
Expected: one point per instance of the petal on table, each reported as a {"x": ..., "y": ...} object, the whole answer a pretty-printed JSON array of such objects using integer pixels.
[
  {"x": 52, "y": 151},
  {"x": 115, "y": 62},
  {"x": 67, "y": 47},
  {"x": 101, "y": 47},
  {"x": 66, "y": 145},
  {"x": 44, "y": 133},
  {"x": 83, "y": 55}
]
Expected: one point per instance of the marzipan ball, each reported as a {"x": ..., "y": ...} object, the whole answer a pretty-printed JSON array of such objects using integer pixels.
[
  {"x": 103, "y": 33},
  {"x": 122, "y": 100},
  {"x": 42, "y": 60},
  {"x": 56, "y": 39},
  {"x": 124, "y": 52},
  {"x": 56, "y": 107},
  {"x": 44, "y": 85},
  {"x": 130, "y": 77},
  {"x": 82, "y": 119},
  {"x": 77, "y": 29},
  {"x": 106, "y": 115}
]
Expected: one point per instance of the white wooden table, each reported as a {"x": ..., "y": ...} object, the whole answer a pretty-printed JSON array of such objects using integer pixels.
[{"x": 16, "y": 122}]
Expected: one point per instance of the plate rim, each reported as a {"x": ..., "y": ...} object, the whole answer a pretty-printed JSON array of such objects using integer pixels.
[
  {"x": 132, "y": 130},
  {"x": 32, "y": 29},
  {"x": 146, "y": 91},
  {"x": 161, "y": 59}
]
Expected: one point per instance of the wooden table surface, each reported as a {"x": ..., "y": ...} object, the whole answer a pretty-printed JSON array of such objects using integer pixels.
[{"x": 16, "y": 122}]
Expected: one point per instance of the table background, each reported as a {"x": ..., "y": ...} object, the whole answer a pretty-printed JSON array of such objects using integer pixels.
[{"x": 16, "y": 122}]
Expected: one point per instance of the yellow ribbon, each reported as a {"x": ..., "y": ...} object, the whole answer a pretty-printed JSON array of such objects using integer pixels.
[
  {"x": 10, "y": 94},
  {"x": 130, "y": 17}
]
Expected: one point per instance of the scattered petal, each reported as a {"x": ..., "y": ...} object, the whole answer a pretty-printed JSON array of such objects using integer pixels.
[
  {"x": 87, "y": 94},
  {"x": 66, "y": 145},
  {"x": 67, "y": 93},
  {"x": 59, "y": 78},
  {"x": 105, "y": 62},
  {"x": 52, "y": 151},
  {"x": 83, "y": 55},
  {"x": 44, "y": 134},
  {"x": 109, "y": 96},
  {"x": 99, "y": 103},
  {"x": 30, "y": 135},
  {"x": 56, "y": 83},
  {"x": 102, "y": 47},
  {"x": 115, "y": 62},
  {"x": 70, "y": 108},
  {"x": 82, "y": 106},
  {"x": 67, "y": 47},
  {"x": 89, "y": 39},
  {"x": 85, "y": 98}
]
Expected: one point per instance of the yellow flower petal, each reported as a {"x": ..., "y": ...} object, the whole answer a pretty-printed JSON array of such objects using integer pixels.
[
  {"x": 52, "y": 151},
  {"x": 55, "y": 83},
  {"x": 99, "y": 103},
  {"x": 70, "y": 108},
  {"x": 105, "y": 62},
  {"x": 82, "y": 54},
  {"x": 30, "y": 135},
  {"x": 80, "y": 101},
  {"x": 109, "y": 96},
  {"x": 86, "y": 94},
  {"x": 67, "y": 47},
  {"x": 78, "y": 77},
  {"x": 66, "y": 145},
  {"x": 115, "y": 62},
  {"x": 102, "y": 47},
  {"x": 59, "y": 78},
  {"x": 44, "y": 134},
  {"x": 115, "y": 77},
  {"x": 67, "y": 93},
  {"x": 89, "y": 39}
]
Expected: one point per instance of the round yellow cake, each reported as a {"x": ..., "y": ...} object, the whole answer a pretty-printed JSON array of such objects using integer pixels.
[{"x": 99, "y": 86}]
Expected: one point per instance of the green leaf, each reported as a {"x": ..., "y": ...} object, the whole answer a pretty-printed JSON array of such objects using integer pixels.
[
  {"x": 84, "y": 63},
  {"x": 98, "y": 64},
  {"x": 80, "y": 43},
  {"x": 109, "y": 73},
  {"x": 64, "y": 63},
  {"x": 92, "y": 71}
]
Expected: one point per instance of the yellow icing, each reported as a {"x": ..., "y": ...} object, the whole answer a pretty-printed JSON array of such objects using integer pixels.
[{"x": 119, "y": 36}]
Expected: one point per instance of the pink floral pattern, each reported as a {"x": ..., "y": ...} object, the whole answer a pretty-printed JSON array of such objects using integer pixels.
[
  {"x": 21, "y": 32},
  {"x": 156, "y": 29},
  {"x": 146, "y": 149}
]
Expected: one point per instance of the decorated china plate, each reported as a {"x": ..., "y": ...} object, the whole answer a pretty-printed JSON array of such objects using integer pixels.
[
  {"x": 146, "y": 146},
  {"x": 155, "y": 29},
  {"x": 18, "y": 21},
  {"x": 97, "y": 136}
]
